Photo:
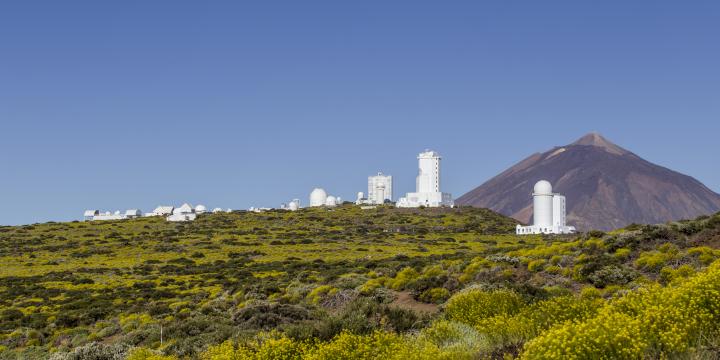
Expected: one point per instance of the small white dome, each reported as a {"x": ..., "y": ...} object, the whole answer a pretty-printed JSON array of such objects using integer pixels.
[
  {"x": 200, "y": 209},
  {"x": 217, "y": 210},
  {"x": 294, "y": 205},
  {"x": 543, "y": 187},
  {"x": 318, "y": 197},
  {"x": 330, "y": 201}
]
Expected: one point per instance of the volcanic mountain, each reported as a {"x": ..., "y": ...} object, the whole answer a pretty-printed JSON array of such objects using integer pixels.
[{"x": 606, "y": 187}]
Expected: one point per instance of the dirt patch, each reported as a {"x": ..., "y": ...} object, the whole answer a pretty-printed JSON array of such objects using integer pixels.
[{"x": 404, "y": 300}]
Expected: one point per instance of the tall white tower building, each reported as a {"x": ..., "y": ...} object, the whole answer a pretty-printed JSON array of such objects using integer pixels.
[
  {"x": 548, "y": 212},
  {"x": 428, "y": 179},
  {"x": 380, "y": 188},
  {"x": 543, "y": 204},
  {"x": 427, "y": 184}
]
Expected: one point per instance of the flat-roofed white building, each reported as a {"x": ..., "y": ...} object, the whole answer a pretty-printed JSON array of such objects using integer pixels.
[
  {"x": 109, "y": 216},
  {"x": 133, "y": 213},
  {"x": 89, "y": 215}
]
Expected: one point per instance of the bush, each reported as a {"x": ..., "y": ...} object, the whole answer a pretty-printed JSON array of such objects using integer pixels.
[
  {"x": 95, "y": 351},
  {"x": 473, "y": 305},
  {"x": 435, "y": 295}
]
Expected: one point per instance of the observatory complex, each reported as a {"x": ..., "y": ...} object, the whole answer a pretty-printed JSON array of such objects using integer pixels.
[
  {"x": 318, "y": 197},
  {"x": 548, "y": 212},
  {"x": 427, "y": 184}
]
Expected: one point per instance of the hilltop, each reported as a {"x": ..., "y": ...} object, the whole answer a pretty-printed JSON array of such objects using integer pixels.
[
  {"x": 606, "y": 186},
  {"x": 456, "y": 282}
]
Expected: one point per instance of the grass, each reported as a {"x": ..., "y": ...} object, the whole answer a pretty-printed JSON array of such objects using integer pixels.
[{"x": 313, "y": 275}]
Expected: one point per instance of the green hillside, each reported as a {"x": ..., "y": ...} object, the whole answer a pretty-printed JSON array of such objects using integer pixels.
[{"x": 380, "y": 283}]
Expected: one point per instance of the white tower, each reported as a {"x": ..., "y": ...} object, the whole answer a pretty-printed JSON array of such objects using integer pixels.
[
  {"x": 428, "y": 179},
  {"x": 543, "y": 204},
  {"x": 379, "y": 188},
  {"x": 558, "y": 212}
]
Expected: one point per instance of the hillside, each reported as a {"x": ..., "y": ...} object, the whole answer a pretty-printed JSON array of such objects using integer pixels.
[
  {"x": 606, "y": 187},
  {"x": 449, "y": 283}
]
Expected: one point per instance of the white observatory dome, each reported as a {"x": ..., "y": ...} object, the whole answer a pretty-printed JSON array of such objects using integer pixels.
[
  {"x": 217, "y": 210},
  {"x": 330, "y": 201},
  {"x": 318, "y": 197},
  {"x": 543, "y": 187},
  {"x": 293, "y": 206},
  {"x": 200, "y": 209}
]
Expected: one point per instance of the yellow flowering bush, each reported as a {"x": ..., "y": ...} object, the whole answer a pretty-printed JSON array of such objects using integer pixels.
[{"x": 473, "y": 305}]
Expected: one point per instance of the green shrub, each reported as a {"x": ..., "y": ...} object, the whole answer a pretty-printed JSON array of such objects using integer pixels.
[{"x": 473, "y": 305}]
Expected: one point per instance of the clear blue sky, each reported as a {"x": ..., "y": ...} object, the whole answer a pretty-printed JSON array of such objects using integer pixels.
[{"x": 124, "y": 104}]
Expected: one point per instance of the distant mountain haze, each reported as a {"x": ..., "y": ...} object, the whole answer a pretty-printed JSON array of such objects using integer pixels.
[{"x": 606, "y": 187}]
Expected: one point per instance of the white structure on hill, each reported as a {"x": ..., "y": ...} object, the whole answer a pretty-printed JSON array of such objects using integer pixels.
[
  {"x": 200, "y": 209},
  {"x": 294, "y": 205},
  {"x": 95, "y": 215},
  {"x": 162, "y": 211},
  {"x": 331, "y": 201},
  {"x": 183, "y": 213},
  {"x": 104, "y": 216},
  {"x": 548, "y": 212},
  {"x": 361, "y": 199},
  {"x": 379, "y": 188},
  {"x": 217, "y": 210},
  {"x": 133, "y": 213},
  {"x": 318, "y": 197},
  {"x": 89, "y": 215},
  {"x": 427, "y": 184}
]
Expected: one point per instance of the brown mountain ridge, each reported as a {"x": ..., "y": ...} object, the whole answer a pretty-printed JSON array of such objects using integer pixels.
[{"x": 606, "y": 187}]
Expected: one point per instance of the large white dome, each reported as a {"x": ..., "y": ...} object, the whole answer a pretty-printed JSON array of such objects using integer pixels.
[
  {"x": 543, "y": 187},
  {"x": 318, "y": 197},
  {"x": 330, "y": 201}
]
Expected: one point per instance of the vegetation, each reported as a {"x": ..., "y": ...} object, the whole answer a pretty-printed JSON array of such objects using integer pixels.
[{"x": 356, "y": 284}]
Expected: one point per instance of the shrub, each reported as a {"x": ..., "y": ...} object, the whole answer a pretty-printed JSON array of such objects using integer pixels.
[
  {"x": 147, "y": 354},
  {"x": 95, "y": 351},
  {"x": 536, "y": 265},
  {"x": 320, "y": 293},
  {"x": 404, "y": 278},
  {"x": 435, "y": 295},
  {"x": 473, "y": 305}
]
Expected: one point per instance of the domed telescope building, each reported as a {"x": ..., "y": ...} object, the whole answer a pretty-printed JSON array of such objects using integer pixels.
[{"x": 548, "y": 212}]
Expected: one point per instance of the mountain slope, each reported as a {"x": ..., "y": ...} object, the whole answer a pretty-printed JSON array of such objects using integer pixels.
[{"x": 606, "y": 187}]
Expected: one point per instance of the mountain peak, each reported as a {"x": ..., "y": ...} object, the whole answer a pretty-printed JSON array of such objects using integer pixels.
[
  {"x": 597, "y": 140},
  {"x": 606, "y": 187}
]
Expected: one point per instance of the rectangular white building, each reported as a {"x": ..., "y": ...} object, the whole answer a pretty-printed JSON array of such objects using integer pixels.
[
  {"x": 427, "y": 184},
  {"x": 380, "y": 188}
]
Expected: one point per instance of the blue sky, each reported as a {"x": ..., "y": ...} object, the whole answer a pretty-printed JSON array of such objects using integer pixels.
[{"x": 116, "y": 105}]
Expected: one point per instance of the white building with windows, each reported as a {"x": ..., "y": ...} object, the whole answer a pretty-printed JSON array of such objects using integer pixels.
[
  {"x": 548, "y": 212},
  {"x": 380, "y": 188},
  {"x": 427, "y": 184}
]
